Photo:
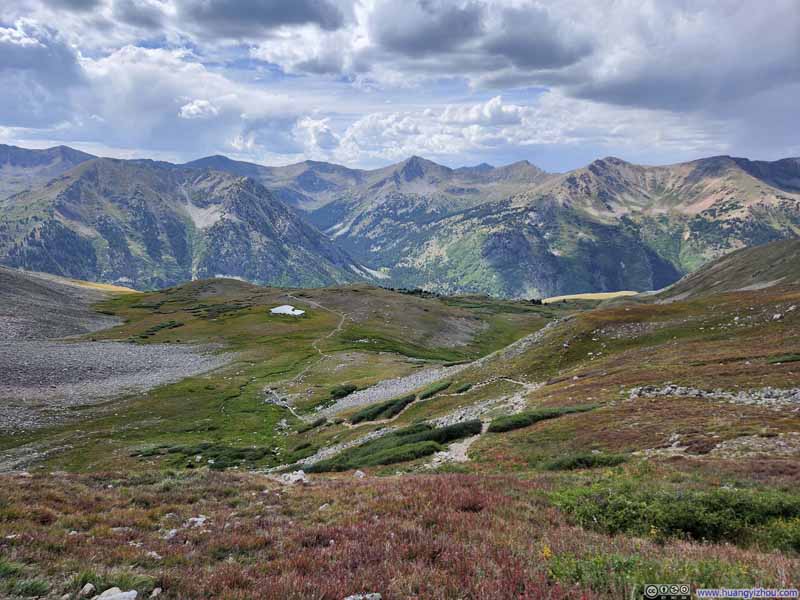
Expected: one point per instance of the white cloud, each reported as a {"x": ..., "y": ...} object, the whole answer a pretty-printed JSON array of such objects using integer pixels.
[
  {"x": 38, "y": 74},
  {"x": 554, "y": 119},
  {"x": 198, "y": 109},
  {"x": 677, "y": 76},
  {"x": 491, "y": 112},
  {"x": 316, "y": 134}
]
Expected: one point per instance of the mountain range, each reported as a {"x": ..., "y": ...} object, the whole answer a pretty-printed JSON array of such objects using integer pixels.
[{"x": 513, "y": 230}]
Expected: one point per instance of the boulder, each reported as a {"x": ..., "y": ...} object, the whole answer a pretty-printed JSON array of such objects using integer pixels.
[
  {"x": 117, "y": 594},
  {"x": 294, "y": 477}
]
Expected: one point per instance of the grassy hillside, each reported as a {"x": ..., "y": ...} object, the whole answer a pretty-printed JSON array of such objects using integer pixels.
[
  {"x": 746, "y": 269},
  {"x": 574, "y": 450},
  {"x": 353, "y": 335}
]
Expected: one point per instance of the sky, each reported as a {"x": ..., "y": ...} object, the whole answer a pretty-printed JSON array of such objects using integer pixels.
[{"x": 370, "y": 82}]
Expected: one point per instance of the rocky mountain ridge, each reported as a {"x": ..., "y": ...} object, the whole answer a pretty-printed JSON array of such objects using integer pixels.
[
  {"x": 513, "y": 230},
  {"x": 151, "y": 224}
]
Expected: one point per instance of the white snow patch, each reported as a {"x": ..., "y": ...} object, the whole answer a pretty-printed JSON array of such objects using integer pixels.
[
  {"x": 287, "y": 309},
  {"x": 338, "y": 229},
  {"x": 374, "y": 273},
  {"x": 223, "y": 276},
  {"x": 203, "y": 217}
]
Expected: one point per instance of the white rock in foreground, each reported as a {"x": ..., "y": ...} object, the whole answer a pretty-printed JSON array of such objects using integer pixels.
[{"x": 117, "y": 594}]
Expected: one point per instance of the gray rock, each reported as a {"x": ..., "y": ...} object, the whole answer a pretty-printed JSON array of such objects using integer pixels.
[
  {"x": 117, "y": 594},
  {"x": 371, "y": 596},
  {"x": 87, "y": 591},
  {"x": 294, "y": 477},
  {"x": 156, "y": 592}
]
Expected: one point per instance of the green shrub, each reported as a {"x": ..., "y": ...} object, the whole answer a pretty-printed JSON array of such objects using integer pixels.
[
  {"x": 382, "y": 410},
  {"x": 783, "y": 534},
  {"x": 396, "y": 442},
  {"x": 625, "y": 574},
  {"x": 9, "y": 569},
  {"x": 738, "y": 516},
  {"x": 340, "y": 391},
  {"x": 786, "y": 358},
  {"x": 222, "y": 456},
  {"x": 524, "y": 419},
  {"x": 313, "y": 425},
  {"x": 30, "y": 588},
  {"x": 434, "y": 389},
  {"x": 584, "y": 460},
  {"x": 464, "y": 387},
  {"x": 402, "y": 453}
]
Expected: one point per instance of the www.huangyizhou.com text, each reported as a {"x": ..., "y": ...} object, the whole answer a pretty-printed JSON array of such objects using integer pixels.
[{"x": 747, "y": 593}]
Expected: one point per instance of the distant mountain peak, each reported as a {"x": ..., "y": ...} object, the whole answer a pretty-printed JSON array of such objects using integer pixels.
[{"x": 416, "y": 167}]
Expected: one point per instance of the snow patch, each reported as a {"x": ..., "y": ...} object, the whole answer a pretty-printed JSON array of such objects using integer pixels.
[
  {"x": 287, "y": 309},
  {"x": 338, "y": 230},
  {"x": 374, "y": 273},
  {"x": 223, "y": 276}
]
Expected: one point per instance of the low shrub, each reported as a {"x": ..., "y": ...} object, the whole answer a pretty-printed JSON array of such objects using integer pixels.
[
  {"x": 786, "y": 358},
  {"x": 628, "y": 574},
  {"x": 465, "y": 387},
  {"x": 524, "y": 419},
  {"x": 382, "y": 410},
  {"x": 30, "y": 588},
  {"x": 584, "y": 460},
  {"x": 9, "y": 569},
  {"x": 737, "y": 516},
  {"x": 402, "y": 453},
  {"x": 396, "y": 444},
  {"x": 434, "y": 389},
  {"x": 313, "y": 425},
  {"x": 340, "y": 391},
  {"x": 216, "y": 456}
]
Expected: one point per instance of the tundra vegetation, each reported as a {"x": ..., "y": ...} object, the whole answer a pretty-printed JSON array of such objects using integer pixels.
[{"x": 533, "y": 469}]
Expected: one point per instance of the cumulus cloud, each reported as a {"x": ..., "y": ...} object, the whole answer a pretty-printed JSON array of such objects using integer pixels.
[
  {"x": 198, "y": 109},
  {"x": 375, "y": 80},
  {"x": 421, "y": 27},
  {"x": 253, "y": 18},
  {"x": 495, "y": 126},
  {"x": 139, "y": 13},
  {"x": 75, "y": 5},
  {"x": 39, "y": 71},
  {"x": 530, "y": 38},
  {"x": 493, "y": 112},
  {"x": 316, "y": 135}
]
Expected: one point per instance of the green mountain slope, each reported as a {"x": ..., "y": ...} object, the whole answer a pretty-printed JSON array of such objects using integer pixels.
[
  {"x": 512, "y": 231},
  {"x": 21, "y": 168},
  {"x": 755, "y": 268},
  {"x": 147, "y": 224},
  {"x": 612, "y": 225}
]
